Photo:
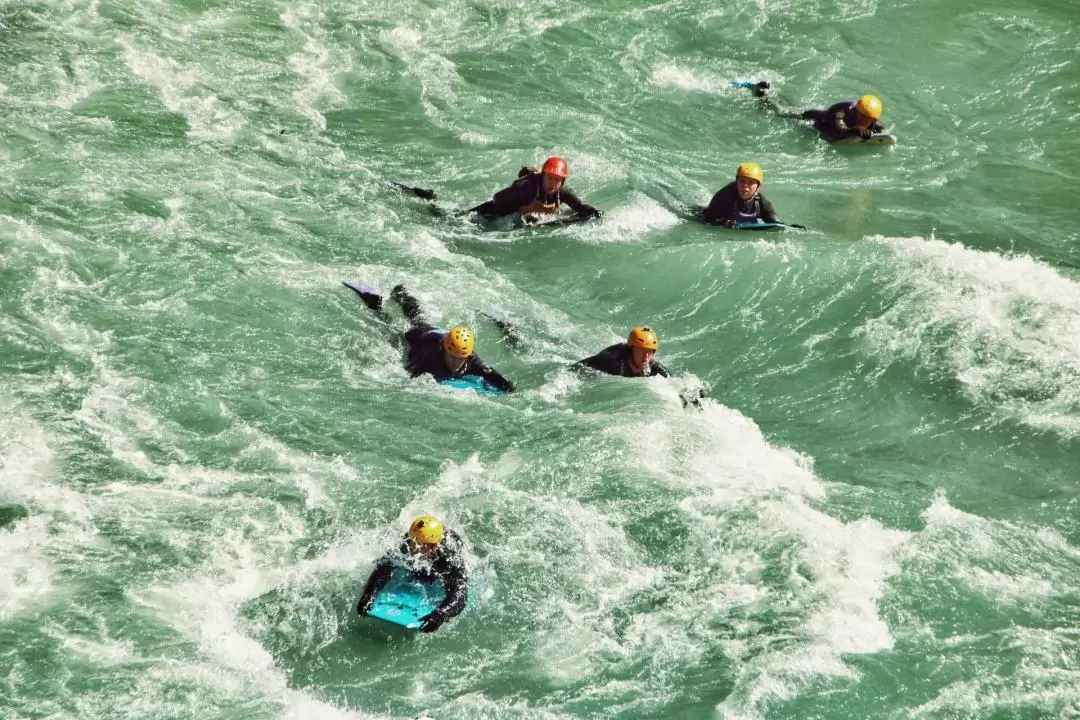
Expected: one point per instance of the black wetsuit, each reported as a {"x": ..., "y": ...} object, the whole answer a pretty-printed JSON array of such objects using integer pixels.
[
  {"x": 527, "y": 190},
  {"x": 445, "y": 565},
  {"x": 615, "y": 360},
  {"x": 425, "y": 349},
  {"x": 726, "y": 205},
  {"x": 838, "y": 121}
]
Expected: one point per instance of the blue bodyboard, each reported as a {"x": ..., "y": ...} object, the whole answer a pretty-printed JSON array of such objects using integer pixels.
[
  {"x": 471, "y": 382},
  {"x": 404, "y": 602}
]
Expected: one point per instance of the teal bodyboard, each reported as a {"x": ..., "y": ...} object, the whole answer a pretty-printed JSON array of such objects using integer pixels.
[
  {"x": 698, "y": 214},
  {"x": 760, "y": 226},
  {"x": 404, "y": 602},
  {"x": 471, "y": 382}
]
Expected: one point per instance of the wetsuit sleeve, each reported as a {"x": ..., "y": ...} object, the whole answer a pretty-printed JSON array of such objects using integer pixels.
[
  {"x": 768, "y": 212},
  {"x": 721, "y": 207},
  {"x": 575, "y": 203},
  {"x": 457, "y": 590},
  {"x": 605, "y": 361},
  {"x": 655, "y": 368},
  {"x": 455, "y": 580},
  {"x": 479, "y": 367},
  {"x": 376, "y": 581}
]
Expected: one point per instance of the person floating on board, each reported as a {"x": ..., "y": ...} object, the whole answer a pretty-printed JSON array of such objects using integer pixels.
[
  {"x": 444, "y": 354},
  {"x": 535, "y": 193},
  {"x": 739, "y": 202},
  {"x": 633, "y": 358},
  {"x": 430, "y": 553},
  {"x": 842, "y": 120}
]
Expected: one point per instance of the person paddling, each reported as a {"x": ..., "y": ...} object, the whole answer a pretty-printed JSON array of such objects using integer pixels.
[
  {"x": 741, "y": 202},
  {"x": 430, "y": 553},
  {"x": 535, "y": 192},
  {"x": 840, "y": 121}
]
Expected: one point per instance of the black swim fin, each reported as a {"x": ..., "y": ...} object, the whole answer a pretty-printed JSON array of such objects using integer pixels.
[
  {"x": 509, "y": 332},
  {"x": 371, "y": 298},
  {"x": 423, "y": 193},
  {"x": 757, "y": 88}
]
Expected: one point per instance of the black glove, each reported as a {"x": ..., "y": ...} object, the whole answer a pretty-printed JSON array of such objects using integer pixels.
[
  {"x": 432, "y": 621},
  {"x": 590, "y": 211},
  {"x": 865, "y": 133},
  {"x": 759, "y": 89},
  {"x": 364, "y": 606}
]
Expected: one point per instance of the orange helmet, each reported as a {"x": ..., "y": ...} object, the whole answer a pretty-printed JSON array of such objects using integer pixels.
[{"x": 643, "y": 337}]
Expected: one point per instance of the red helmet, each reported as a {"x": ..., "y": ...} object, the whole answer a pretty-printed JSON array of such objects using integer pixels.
[{"x": 556, "y": 166}]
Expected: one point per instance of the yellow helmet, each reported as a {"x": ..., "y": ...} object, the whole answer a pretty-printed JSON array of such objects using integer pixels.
[
  {"x": 426, "y": 530},
  {"x": 870, "y": 106},
  {"x": 460, "y": 341},
  {"x": 643, "y": 337},
  {"x": 750, "y": 170}
]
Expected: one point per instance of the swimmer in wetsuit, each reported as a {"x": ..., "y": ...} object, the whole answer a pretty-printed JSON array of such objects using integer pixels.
[
  {"x": 429, "y": 553},
  {"x": 444, "y": 354},
  {"x": 633, "y": 358},
  {"x": 535, "y": 193},
  {"x": 846, "y": 119},
  {"x": 739, "y": 202}
]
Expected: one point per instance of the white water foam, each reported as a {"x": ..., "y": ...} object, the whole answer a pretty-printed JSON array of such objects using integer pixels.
[
  {"x": 247, "y": 538},
  {"x": 631, "y": 221},
  {"x": 246, "y": 541},
  {"x": 745, "y": 503},
  {"x": 1006, "y": 328},
  {"x": 838, "y": 570},
  {"x": 205, "y": 609},
  {"x": 184, "y": 92},
  {"x": 318, "y": 64},
  {"x": 1010, "y": 565},
  {"x": 669, "y": 75},
  {"x": 436, "y": 75},
  {"x": 58, "y": 518}
]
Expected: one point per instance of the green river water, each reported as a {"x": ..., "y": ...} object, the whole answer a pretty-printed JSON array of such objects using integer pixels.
[{"x": 206, "y": 441}]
